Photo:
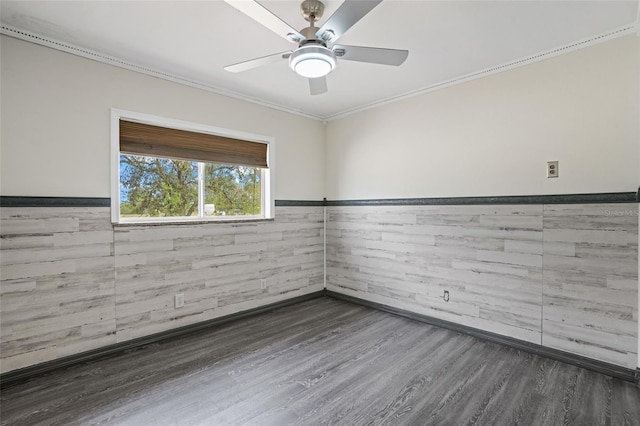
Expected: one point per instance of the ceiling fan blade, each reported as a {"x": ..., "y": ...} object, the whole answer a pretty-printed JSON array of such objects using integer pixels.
[
  {"x": 318, "y": 85},
  {"x": 258, "y": 62},
  {"x": 263, "y": 16},
  {"x": 374, "y": 55},
  {"x": 349, "y": 12}
]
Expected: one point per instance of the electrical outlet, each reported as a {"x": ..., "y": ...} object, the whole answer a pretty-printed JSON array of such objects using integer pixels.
[
  {"x": 263, "y": 283},
  {"x": 178, "y": 300},
  {"x": 552, "y": 169},
  {"x": 446, "y": 296}
]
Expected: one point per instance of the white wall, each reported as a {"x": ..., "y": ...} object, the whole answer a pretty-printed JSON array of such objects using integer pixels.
[
  {"x": 493, "y": 136},
  {"x": 55, "y": 124}
]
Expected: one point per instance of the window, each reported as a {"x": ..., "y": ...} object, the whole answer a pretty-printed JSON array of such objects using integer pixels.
[{"x": 172, "y": 171}]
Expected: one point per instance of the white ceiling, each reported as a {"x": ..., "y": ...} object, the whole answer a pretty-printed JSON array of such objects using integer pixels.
[{"x": 447, "y": 40}]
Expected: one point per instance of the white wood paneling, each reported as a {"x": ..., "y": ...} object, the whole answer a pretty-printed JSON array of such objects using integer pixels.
[
  {"x": 565, "y": 276},
  {"x": 591, "y": 287},
  {"x": 71, "y": 282},
  {"x": 489, "y": 258},
  {"x": 58, "y": 283}
]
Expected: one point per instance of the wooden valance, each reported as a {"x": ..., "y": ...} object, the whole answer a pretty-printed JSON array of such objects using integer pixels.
[{"x": 156, "y": 141}]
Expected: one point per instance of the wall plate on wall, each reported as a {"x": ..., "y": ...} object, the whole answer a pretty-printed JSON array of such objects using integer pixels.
[
  {"x": 178, "y": 300},
  {"x": 552, "y": 169}
]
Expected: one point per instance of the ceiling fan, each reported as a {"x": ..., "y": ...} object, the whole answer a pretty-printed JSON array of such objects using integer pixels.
[{"x": 314, "y": 58}]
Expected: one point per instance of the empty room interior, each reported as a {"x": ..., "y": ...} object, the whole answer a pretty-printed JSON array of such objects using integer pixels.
[{"x": 347, "y": 212}]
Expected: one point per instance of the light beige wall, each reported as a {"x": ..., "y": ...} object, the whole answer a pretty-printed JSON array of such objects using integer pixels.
[
  {"x": 493, "y": 136},
  {"x": 55, "y": 124}
]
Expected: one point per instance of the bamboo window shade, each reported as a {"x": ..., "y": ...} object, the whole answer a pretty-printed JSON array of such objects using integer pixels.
[{"x": 156, "y": 141}]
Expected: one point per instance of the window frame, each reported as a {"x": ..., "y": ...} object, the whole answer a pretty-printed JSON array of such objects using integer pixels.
[{"x": 267, "y": 181}]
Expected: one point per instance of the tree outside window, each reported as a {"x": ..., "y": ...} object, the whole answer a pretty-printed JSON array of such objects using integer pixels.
[{"x": 159, "y": 187}]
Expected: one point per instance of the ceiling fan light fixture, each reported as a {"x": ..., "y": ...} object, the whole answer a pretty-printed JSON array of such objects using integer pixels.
[{"x": 312, "y": 61}]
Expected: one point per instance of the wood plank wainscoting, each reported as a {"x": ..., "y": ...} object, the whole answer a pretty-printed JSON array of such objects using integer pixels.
[
  {"x": 564, "y": 276},
  {"x": 72, "y": 282},
  {"x": 558, "y": 272}
]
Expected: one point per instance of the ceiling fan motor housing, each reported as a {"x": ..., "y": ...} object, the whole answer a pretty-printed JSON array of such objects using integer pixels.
[{"x": 312, "y": 58}]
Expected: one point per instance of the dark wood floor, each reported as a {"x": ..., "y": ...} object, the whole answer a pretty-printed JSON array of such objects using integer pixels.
[{"x": 323, "y": 362}]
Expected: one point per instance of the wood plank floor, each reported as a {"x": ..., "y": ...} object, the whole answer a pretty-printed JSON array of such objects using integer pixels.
[{"x": 323, "y": 362}]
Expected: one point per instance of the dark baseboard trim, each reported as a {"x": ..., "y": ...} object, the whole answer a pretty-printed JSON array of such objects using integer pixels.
[
  {"x": 605, "y": 198},
  {"x": 16, "y": 376},
  {"x": 299, "y": 203},
  {"x": 555, "y": 354},
  {"x": 11, "y": 201}
]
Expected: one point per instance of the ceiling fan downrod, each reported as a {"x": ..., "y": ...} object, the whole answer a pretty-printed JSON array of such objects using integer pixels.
[{"x": 312, "y": 11}]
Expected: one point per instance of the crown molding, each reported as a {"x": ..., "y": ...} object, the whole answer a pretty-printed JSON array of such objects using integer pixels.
[
  {"x": 120, "y": 63},
  {"x": 557, "y": 51},
  {"x": 100, "y": 57}
]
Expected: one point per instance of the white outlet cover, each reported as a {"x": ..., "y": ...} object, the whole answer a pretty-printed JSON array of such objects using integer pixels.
[
  {"x": 553, "y": 170},
  {"x": 178, "y": 300}
]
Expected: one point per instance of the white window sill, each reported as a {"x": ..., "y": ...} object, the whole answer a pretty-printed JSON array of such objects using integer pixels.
[{"x": 195, "y": 221}]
